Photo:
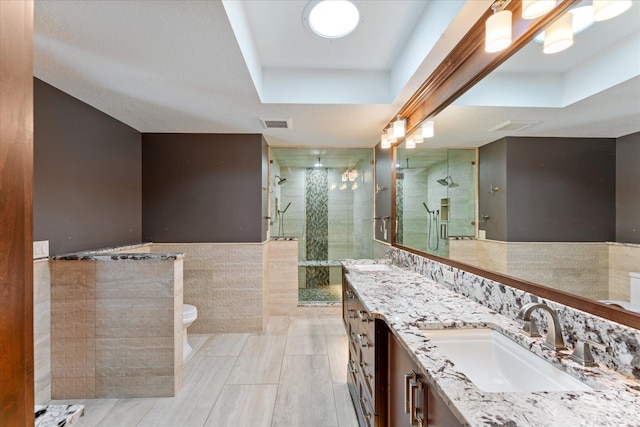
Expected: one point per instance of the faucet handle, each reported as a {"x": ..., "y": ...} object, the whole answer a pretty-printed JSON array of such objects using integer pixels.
[
  {"x": 530, "y": 328},
  {"x": 582, "y": 354}
]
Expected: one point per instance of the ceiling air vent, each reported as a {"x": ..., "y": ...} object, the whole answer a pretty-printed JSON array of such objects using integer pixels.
[
  {"x": 513, "y": 126},
  {"x": 276, "y": 123}
]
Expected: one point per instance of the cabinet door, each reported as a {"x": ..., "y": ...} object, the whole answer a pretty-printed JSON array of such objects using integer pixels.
[
  {"x": 439, "y": 413},
  {"x": 400, "y": 365}
]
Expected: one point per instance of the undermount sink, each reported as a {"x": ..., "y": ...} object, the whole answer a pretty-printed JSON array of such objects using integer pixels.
[
  {"x": 369, "y": 267},
  {"x": 494, "y": 363}
]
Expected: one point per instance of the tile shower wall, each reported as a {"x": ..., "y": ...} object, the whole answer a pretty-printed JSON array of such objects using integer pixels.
[
  {"x": 116, "y": 328},
  {"x": 622, "y": 356},
  {"x": 363, "y": 211},
  {"x": 225, "y": 282},
  {"x": 317, "y": 225}
]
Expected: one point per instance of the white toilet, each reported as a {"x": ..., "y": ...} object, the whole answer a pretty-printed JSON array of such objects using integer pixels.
[{"x": 189, "y": 315}]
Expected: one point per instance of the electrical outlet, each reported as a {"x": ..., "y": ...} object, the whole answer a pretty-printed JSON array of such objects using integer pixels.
[
  {"x": 449, "y": 277},
  {"x": 41, "y": 249}
]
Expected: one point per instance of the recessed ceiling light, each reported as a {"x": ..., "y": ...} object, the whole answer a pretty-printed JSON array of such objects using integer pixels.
[
  {"x": 582, "y": 19},
  {"x": 333, "y": 19}
]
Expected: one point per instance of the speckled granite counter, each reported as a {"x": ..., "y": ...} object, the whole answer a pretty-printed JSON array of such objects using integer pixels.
[
  {"x": 89, "y": 256},
  {"x": 408, "y": 301},
  {"x": 57, "y": 415}
]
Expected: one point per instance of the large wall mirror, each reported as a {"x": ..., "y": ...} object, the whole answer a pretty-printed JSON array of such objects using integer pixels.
[{"x": 534, "y": 173}]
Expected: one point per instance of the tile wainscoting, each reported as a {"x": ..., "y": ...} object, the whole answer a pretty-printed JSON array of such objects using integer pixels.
[{"x": 116, "y": 325}]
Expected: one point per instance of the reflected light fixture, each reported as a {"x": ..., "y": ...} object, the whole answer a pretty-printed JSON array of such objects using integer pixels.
[
  {"x": 427, "y": 129},
  {"x": 607, "y": 9},
  {"x": 417, "y": 137},
  {"x": 559, "y": 35},
  {"x": 333, "y": 19},
  {"x": 498, "y": 28},
  {"x": 532, "y": 9},
  {"x": 384, "y": 141},
  {"x": 582, "y": 19},
  {"x": 318, "y": 164},
  {"x": 390, "y": 135},
  {"x": 398, "y": 127},
  {"x": 409, "y": 143}
]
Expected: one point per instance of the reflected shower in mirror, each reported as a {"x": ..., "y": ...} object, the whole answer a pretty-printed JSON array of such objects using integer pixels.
[{"x": 558, "y": 171}]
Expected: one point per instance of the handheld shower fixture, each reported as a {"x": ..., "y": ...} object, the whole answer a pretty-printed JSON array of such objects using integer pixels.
[
  {"x": 285, "y": 209},
  {"x": 280, "y": 180},
  {"x": 426, "y": 207}
]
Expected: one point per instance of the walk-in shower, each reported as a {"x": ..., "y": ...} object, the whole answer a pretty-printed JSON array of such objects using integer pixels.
[{"x": 329, "y": 210}]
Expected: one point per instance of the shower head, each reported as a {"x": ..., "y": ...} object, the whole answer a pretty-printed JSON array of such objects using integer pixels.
[
  {"x": 445, "y": 181},
  {"x": 280, "y": 180}
]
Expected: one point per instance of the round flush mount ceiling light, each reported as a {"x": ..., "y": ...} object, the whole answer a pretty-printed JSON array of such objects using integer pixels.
[{"x": 332, "y": 19}]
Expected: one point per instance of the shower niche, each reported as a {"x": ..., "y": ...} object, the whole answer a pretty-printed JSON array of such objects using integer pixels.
[
  {"x": 435, "y": 197},
  {"x": 327, "y": 196}
]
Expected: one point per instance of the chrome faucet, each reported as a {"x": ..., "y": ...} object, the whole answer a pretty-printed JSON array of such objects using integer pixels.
[{"x": 554, "y": 339}]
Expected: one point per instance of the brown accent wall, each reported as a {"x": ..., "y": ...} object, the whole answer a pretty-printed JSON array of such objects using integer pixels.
[
  {"x": 493, "y": 172},
  {"x": 16, "y": 253},
  {"x": 204, "y": 188},
  {"x": 384, "y": 178},
  {"x": 628, "y": 189},
  {"x": 87, "y": 177},
  {"x": 555, "y": 190}
]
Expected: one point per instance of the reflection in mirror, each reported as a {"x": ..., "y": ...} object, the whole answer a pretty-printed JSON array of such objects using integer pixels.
[
  {"x": 558, "y": 139},
  {"x": 435, "y": 197}
]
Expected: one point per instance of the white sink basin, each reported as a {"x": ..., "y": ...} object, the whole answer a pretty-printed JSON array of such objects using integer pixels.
[
  {"x": 369, "y": 267},
  {"x": 494, "y": 363}
]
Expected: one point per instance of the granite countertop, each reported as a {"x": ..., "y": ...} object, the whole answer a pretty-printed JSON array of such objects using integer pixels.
[
  {"x": 84, "y": 256},
  {"x": 407, "y": 301}
]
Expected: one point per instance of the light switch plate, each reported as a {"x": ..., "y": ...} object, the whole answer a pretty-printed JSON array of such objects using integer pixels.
[
  {"x": 41, "y": 249},
  {"x": 449, "y": 277}
]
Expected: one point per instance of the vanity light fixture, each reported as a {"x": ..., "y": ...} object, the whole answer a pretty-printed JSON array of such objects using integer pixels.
[
  {"x": 428, "y": 129},
  {"x": 582, "y": 19},
  {"x": 607, "y": 9},
  {"x": 417, "y": 137},
  {"x": 332, "y": 19},
  {"x": 318, "y": 163},
  {"x": 532, "y": 9},
  {"x": 559, "y": 35},
  {"x": 399, "y": 127},
  {"x": 498, "y": 27}
]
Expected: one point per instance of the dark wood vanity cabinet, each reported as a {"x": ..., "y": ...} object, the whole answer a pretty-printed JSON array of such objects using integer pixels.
[
  {"x": 367, "y": 344},
  {"x": 410, "y": 400},
  {"x": 386, "y": 387}
]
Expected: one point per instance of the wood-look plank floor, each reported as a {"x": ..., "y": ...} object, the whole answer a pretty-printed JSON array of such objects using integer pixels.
[{"x": 293, "y": 375}]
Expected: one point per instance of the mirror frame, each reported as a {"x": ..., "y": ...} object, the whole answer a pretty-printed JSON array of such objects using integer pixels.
[{"x": 465, "y": 66}]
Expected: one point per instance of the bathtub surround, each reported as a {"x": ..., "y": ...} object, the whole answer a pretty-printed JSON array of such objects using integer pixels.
[
  {"x": 623, "y": 342},
  {"x": 116, "y": 328}
]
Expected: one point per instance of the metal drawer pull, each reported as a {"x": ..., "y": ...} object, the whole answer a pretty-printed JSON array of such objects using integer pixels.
[
  {"x": 363, "y": 372},
  {"x": 416, "y": 420},
  {"x": 407, "y": 396},
  {"x": 366, "y": 414},
  {"x": 350, "y": 367},
  {"x": 351, "y": 314},
  {"x": 362, "y": 339},
  {"x": 364, "y": 316},
  {"x": 350, "y": 294}
]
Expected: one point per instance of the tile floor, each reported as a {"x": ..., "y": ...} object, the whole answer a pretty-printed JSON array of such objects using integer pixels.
[{"x": 293, "y": 375}]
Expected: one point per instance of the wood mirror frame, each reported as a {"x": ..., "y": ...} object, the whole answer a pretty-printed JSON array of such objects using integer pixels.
[{"x": 465, "y": 66}]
